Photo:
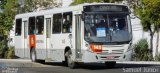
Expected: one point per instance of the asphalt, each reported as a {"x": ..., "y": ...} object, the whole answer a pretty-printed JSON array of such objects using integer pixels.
[{"x": 26, "y": 66}]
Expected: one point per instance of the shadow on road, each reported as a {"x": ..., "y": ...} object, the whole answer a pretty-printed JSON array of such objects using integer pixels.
[
  {"x": 55, "y": 64},
  {"x": 118, "y": 66},
  {"x": 97, "y": 66}
]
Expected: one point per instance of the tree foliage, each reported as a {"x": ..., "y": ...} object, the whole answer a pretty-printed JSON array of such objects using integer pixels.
[
  {"x": 9, "y": 9},
  {"x": 149, "y": 13},
  {"x": 7, "y": 16},
  {"x": 35, "y": 5},
  {"x": 112, "y": 1},
  {"x": 141, "y": 51},
  {"x": 91, "y": 1},
  {"x": 2, "y": 3}
]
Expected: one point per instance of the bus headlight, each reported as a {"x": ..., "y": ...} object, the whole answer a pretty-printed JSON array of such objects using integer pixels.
[{"x": 96, "y": 48}]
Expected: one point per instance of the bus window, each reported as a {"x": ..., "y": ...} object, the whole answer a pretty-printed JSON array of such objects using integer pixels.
[
  {"x": 48, "y": 26},
  {"x": 25, "y": 29},
  {"x": 57, "y": 20},
  {"x": 67, "y": 22},
  {"x": 118, "y": 22},
  {"x": 39, "y": 24},
  {"x": 31, "y": 28},
  {"x": 18, "y": 27}
]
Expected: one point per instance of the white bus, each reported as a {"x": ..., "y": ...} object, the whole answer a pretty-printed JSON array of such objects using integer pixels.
[{"x": 87, "y": 33}]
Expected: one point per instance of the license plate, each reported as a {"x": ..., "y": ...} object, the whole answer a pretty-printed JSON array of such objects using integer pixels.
[{"x": 110, "y": 57}]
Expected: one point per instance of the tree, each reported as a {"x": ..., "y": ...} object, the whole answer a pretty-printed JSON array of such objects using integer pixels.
[
  {"x": 149, "y": 13},
  {"x": 112, "y": 1},
  {"x": 2, "y": 3},
  {"x": 6, "y": 21},
  {"x": 36, "y": 5},
  {"x": 84, "y": 1},
  {"x": 91, "y": 1}
]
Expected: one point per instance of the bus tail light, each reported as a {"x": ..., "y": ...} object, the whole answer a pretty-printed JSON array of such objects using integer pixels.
[{"x": 96, "y": 48}]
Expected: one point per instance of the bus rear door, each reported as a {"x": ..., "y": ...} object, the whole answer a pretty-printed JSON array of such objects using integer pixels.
[
  {"x": 25, "y": 35},
  {"x": 48, "y": 38}
]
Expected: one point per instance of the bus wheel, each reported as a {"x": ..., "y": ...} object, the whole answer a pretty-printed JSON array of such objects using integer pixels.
[
  {"x": 70, "y": 62},
  {"x": 33, "y": 55},
  {"x": 110, "y": 64}
]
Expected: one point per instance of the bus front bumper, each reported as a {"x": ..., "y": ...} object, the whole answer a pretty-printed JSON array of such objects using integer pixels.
[{"x": 90, "y": 57}]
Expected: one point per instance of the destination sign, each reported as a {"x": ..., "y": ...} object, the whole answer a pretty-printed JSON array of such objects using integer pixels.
[{"x": 116, "y": 8}]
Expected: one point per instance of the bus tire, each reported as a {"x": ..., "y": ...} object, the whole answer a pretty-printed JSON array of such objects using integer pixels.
[
  {"x": 110, "y": 64},
  {"x": 33, "y": 55},
  {"x": 70, "y": 62}
]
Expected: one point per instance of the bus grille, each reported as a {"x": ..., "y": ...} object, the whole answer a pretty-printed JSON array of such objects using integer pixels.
[
  {"x": 114, "y": 53},
  {"x": 121, "y": 51}
]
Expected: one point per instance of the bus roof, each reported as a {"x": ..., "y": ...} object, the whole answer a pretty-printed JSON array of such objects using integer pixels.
[{"x": 60, "y": 10}]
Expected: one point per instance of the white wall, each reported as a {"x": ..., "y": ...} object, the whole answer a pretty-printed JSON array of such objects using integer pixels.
[
  {"x": 137, "y": 30},
  {"x": 138, "y": 34}
]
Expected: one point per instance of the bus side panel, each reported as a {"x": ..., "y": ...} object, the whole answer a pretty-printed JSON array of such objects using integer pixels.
[
  {"x": 57, "y": 47},
  {"x": 19, "y": 50},
  {"x": 40, "y": 47}
]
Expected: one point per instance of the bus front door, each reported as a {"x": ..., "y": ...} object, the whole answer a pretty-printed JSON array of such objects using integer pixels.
[{"x": 78, "y": 36}]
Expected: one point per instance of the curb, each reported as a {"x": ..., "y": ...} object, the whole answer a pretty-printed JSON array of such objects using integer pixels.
[
  {"x": 141, "y": 62},
  {"x": 15, "y": 60}
]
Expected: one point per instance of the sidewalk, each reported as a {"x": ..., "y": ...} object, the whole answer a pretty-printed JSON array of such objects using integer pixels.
[
  {"x": 141, "y": 62},
  {"x": 15, "y": 60},
  {"x": 123, "y": 62}
]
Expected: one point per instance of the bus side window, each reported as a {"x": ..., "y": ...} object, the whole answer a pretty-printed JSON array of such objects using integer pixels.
[
  {"x": 57, "y": 20},
  {"x": 32, "y": 29},
  {"x": 39, "y": 25},
  {"x": 18, "y": 27},
  {"x": 67, "y": 22}
]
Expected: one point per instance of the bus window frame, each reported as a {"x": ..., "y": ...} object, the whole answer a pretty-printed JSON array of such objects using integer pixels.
[
  {"x": 18, "y": 29},
  {"x": 31, "y": 31},
  {"x": 55, "y": 26},
  {"x": 70, "y": 21},
  {"x": 37, "y": 25}
]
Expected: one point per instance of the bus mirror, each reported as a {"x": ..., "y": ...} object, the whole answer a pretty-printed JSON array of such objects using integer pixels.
[
  {"x": 130, "y": 11},
  {"x": 132, "y": 16},
  {"x": 82, "y": 16}
]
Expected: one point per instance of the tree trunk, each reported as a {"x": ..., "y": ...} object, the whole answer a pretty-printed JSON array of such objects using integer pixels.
[
  {"x": 151, "y": 42},
  {"x": 157, "y": 42}
]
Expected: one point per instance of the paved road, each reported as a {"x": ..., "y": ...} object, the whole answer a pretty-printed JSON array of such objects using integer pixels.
[{"x": 26, "y": 66}]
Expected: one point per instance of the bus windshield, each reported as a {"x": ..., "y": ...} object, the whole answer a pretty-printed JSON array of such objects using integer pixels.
[{"x": 105, "y": 27}]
